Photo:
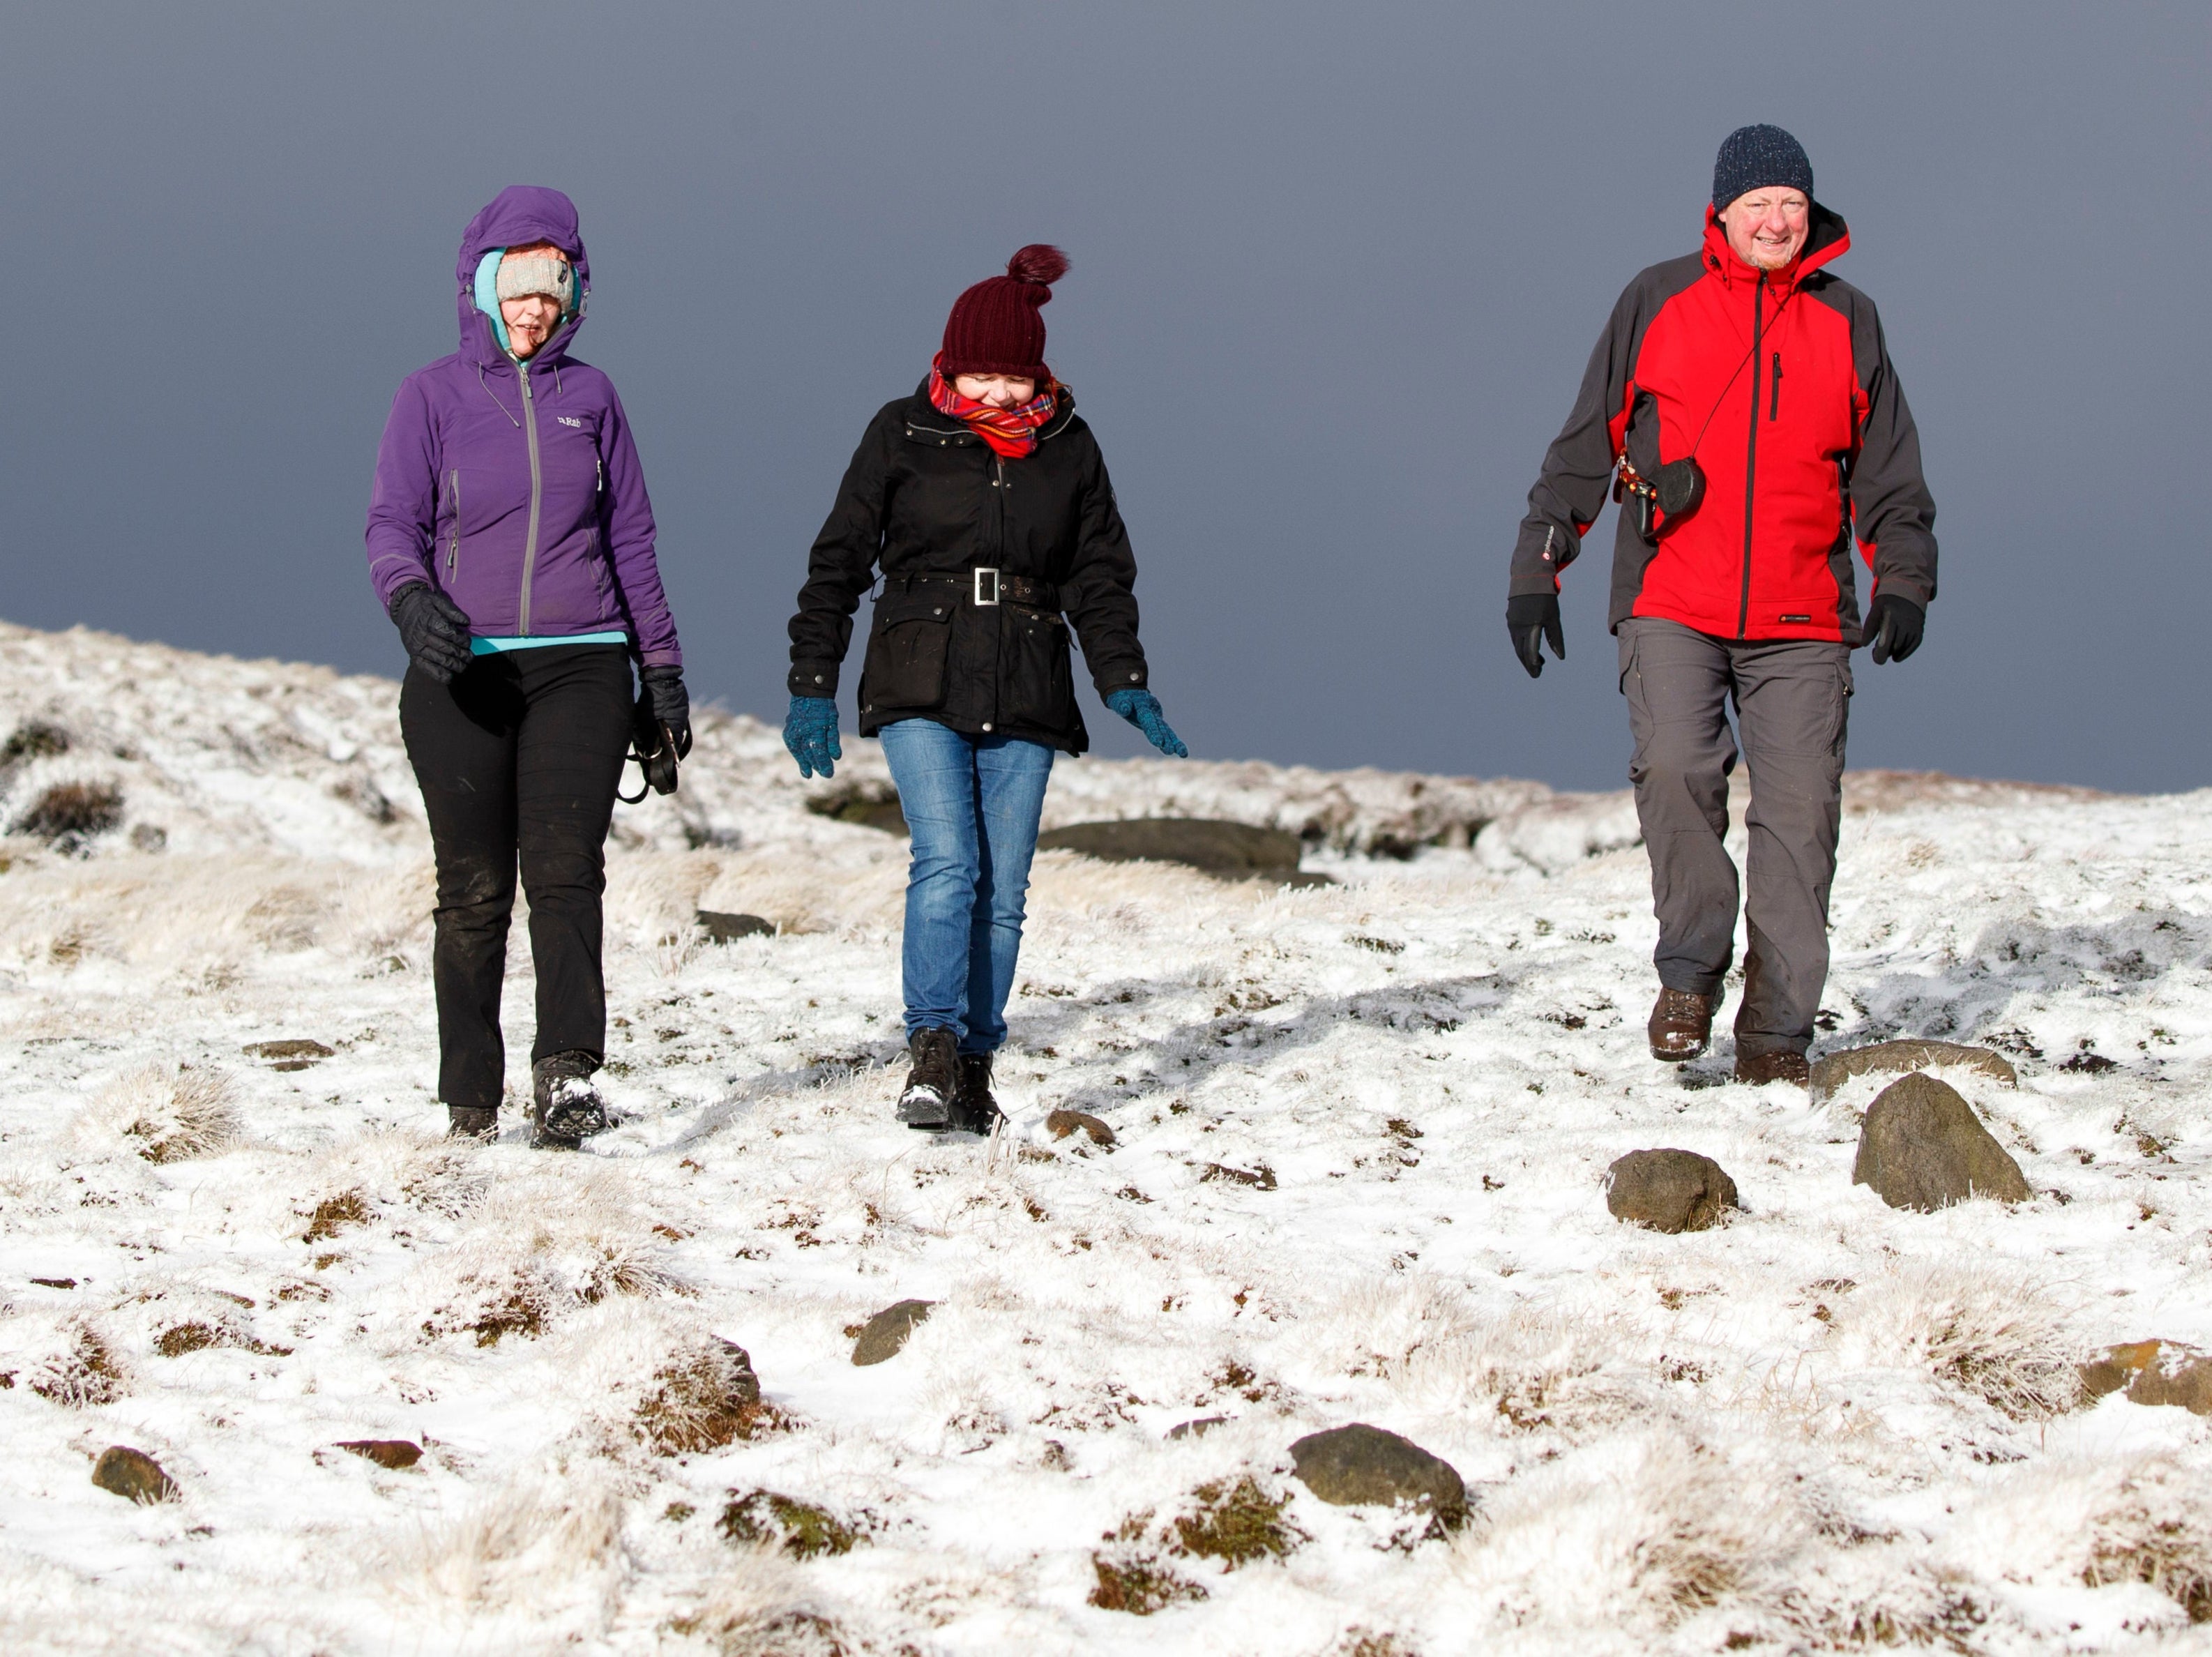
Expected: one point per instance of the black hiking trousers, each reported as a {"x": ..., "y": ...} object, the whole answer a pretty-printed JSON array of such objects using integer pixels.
[{"x": 519, "y": 759}]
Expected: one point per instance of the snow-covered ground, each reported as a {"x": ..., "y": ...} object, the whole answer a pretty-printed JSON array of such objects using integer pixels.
[{"x": 1361, "y": 1131}]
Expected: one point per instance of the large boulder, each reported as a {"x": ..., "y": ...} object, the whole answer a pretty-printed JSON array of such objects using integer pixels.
[
  {"x": 1901, "y": 1058},
  {"x": 2153, "y": 1372},
  {"x": 1230, "y": 851},
  {"x": 1921, "y": 1147},
  {"x": 884, "y": 1334},
  {"x": 1362, "y": 1465},
  {"x": 1672, "y": 1191}
]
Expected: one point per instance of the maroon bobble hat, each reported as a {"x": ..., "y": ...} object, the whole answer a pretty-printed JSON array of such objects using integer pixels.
[{"x": 996, "y": 327}]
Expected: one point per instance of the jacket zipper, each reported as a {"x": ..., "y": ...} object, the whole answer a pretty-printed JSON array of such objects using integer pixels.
[
  {"x": 453, "y": 543},
  {"x": 537, "y": 492},
  {"x": 1751, "y": 452},
  {"x": 1774, "y": 403}
]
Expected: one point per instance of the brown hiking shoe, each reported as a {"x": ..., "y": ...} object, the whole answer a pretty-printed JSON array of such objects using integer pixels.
[
  {"x": 1681, "y": 1024},
  {"x": 1758, "y": 1069}
]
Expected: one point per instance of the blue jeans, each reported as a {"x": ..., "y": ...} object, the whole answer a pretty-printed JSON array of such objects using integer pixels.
[{"x": 972, "y": 803}]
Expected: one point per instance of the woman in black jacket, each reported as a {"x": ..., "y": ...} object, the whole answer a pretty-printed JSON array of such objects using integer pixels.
[{"x": 985, "y": 501}]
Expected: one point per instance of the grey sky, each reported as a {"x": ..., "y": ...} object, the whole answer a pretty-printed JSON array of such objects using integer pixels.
[{"x": 1336, "y": 272}]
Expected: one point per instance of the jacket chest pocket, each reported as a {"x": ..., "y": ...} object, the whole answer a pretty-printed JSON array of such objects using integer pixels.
[
  {"x": 905, "y": 664},
  {"x": 1040, "y": 685}
]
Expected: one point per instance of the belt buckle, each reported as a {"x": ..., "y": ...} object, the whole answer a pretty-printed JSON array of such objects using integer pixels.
[{"x": 981, "y": 585}]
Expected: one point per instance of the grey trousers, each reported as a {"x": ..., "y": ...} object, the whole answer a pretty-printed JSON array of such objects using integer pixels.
[{"x": 1792, "y": 700}]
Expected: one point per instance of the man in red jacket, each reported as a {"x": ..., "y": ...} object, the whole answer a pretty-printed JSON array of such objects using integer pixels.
[{"x": 1742, "y": 407}]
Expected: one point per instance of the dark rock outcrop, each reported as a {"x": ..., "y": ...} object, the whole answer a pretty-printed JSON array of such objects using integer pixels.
[
  {"x": 1672, "y": 1191},
  {"x": 1363, "y": 1465},
  {"x": 728, "y": 928},
  {"x": 1900, "y": 1058},
  {"x": 1921, "y": 1147},
  {"x": 133, "y": 1475},
  {"x": 884, "y": 1334},
  {"x": 1228, "y": 850}
]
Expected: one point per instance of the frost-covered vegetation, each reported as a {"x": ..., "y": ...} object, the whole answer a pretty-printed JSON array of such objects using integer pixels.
[{"x": 1359, "y": 1133}]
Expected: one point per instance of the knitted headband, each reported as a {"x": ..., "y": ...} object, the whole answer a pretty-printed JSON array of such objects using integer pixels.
[{"x": 523, "y": 274}]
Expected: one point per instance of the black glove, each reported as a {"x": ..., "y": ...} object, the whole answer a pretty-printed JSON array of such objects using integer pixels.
[
  {"x": 1530, "y": 618},
  {"x": 1894, "y": 625},
  {"x": 671, "y": 704},
  {"x": 434, "y": 629}
]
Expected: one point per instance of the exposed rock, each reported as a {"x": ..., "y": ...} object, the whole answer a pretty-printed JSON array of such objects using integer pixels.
[
  {"x": 728, "y": 928},
  {"x": 1923, "y": 1147},
  {"x": 291, "y": 1053},
  {"x": 1062, "y": 1123},
  {"x": 1363, "y": 1465},
  {"x": 1670, "y": 1191},
  {"x": 884, "y": 1334},
  {"x": 1899, "y": 1057},
  {"x": 1230, "y": 850},
  {"x": 2153, "y": 1372},
  {"x": 1260, "y": 1179},
  {"x": 865, "y": 802},
  {"x": 133, "y": 1475},
  {"x": 395, "y": 1453},
  {"x": 1197, "y": 1429}
]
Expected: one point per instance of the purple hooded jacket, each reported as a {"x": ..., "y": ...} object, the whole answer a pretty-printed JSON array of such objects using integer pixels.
[{"x": 516, "y": 489}]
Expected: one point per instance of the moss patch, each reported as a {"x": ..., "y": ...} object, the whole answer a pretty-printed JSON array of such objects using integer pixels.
[{"x": 799, "y": 1528}]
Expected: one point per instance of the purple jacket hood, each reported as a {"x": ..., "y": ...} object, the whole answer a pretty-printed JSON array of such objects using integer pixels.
[{"x": 517, "y": 216}]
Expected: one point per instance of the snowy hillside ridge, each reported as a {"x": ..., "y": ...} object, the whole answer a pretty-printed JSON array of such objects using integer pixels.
[
  {"x": 1360, "y": 1137},
  {"x": 208, "y": 753}
]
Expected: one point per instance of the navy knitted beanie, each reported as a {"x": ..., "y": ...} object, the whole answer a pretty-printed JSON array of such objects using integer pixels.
[{"x": 1752, "y": 156}]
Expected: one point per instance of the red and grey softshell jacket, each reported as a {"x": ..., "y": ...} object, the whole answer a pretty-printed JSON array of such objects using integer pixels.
[{"x": 1779, "y": 385}]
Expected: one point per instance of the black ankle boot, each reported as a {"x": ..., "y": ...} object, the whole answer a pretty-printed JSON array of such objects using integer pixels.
[
  {"x": 566, "y": 1108},
  {"x": 473, "y": 1122},
  {"x": 931, "y": 1083},
  {"x": 974, "y": 1111}
]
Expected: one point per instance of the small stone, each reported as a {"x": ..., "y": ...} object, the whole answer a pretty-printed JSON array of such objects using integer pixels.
[
  {"x": 728, "y": 928},
  {"x": 2153, "y": 1372},
  {"x": 884, "y": 1334},
  {"x": 1062, "y": 1123},
  {"x": 291, "y": 1053},
  {"x": 1902, "y": 1057},
  {"x": 395, "y": 1453},
  {"x": 1361, "y": 1466},
  {"x": 133, "y": 1475},
  {"x": 1671, "y": 1191},
  {"x": 1921, "y": 1147},
  {"x": 1197, "y": 1429}
]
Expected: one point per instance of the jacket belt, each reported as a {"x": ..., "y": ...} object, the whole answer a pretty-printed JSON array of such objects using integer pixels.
[{"x": 989, "y": 586}]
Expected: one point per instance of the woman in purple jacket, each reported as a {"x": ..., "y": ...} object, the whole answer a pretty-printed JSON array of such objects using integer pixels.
[{"x": 511, "y": 541}]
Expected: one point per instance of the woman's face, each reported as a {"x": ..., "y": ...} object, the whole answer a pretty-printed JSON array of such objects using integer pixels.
[
  {"x": 532, "y": 319},
  {"x": 1000, "y": 391}
]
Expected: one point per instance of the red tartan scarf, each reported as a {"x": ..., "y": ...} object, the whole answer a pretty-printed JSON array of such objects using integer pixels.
[{"x": 1012, "y": 433}]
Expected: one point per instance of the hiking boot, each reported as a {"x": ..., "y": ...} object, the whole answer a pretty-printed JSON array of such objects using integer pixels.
[
  {"x": 1758, "y": 1069},
  {"x": 473, "y": 1122},
  {"x": 974, "y": 1110},
  {"x": 932, "y": 1082},
  {"x": 1681, "y": 1025},
  {"x": 566, "y": 1108}
]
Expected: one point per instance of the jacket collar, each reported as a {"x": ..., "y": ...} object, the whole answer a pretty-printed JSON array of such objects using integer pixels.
[{"x": 1830, "y": 238}]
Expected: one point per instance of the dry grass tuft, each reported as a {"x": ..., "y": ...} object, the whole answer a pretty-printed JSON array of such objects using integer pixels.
[
  {"x": 333, "y": 1214},
  {"x": 86, "y": 1375},
  {"x": 72, "y": 812},
  {"x": 1237, "y": 1524},
  {"x": 1138, "y": 1584},
  {"x": 2159, "y": 1531},
  {"x": 1980, "y": 1330},
  {"x": 174, "y": 1115},
  {"x": 512, "y": 1546},
  {"x": 766, "y": 1519},
  {"x": 703, "y": 1399}
]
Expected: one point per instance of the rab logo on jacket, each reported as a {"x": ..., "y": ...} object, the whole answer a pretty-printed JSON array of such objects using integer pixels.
[{"x": 569, "y": 419}]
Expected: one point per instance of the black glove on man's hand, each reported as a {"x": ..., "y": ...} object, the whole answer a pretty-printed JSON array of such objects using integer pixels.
[
  {"x": 434, "y": 629},
  {"x": 1530, "y": 618},
  {"x": 671, "y": 704},
  {"x": 1894, "y": 625}
]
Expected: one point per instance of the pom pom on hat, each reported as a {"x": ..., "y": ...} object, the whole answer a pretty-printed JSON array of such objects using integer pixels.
[
  {"x": 1040, "y": 262},
  {"x": 995, "y": 328}
]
